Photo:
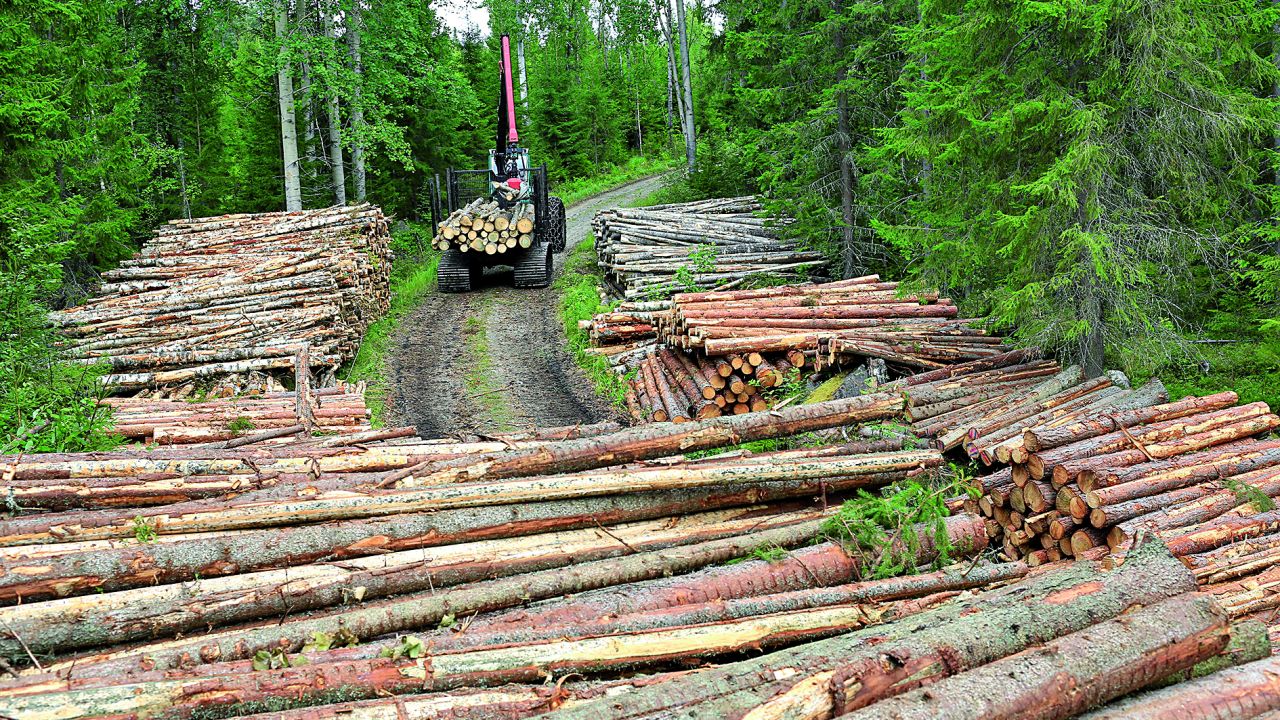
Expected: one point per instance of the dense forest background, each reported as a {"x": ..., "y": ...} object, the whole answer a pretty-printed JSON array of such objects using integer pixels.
[{"x": 1097, "y": 177}]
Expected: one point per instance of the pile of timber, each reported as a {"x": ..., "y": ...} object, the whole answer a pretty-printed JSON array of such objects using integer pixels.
[
  {"x": 675, "y": 386},
  {"x": 985, "y": 406},
  {"x": 653, "y": 252},
  {"x": 1084, "y": 635},
  {"x": 1171, "y": 469},
  {"x": 627, "y": 324},
  {"x": 149, "y": 573},
  {"x": 482, "y": 226},
  {"x": 340, "y": 409},
  {"x": 233, "y": 294},
  {"x": 834, "y": 322}
]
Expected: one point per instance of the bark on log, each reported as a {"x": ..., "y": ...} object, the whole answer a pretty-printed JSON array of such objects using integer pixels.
[
  {"x": 417, "y": 611},
  {"x": 1074, "y": 673},
  {"x": 880, "y": 662},
  {"x": 149, "y": 613},
  {"x": 1236, "y": 693},
  {"x": 77, "y": 568}
]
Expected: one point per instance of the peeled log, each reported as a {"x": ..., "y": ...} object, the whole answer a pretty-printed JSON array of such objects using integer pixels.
[
  {"x": 883, "y": 661},
  {"x": 648, "y": 442},
  {"x": 1237, "y": 693},
  {"x": 424, "y": 609},
  {"x": 160, "y": 611},
  {"x": 1076, "y": 672}
]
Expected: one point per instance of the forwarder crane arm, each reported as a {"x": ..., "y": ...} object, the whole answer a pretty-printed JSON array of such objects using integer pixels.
[{"x": 510, "y": 162}]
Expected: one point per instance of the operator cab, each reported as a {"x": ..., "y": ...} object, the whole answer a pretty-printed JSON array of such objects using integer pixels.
[{"x": 510, "y": 176}]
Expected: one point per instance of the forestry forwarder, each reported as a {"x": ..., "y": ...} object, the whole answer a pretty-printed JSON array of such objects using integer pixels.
[{"x": 509, "y": 181}]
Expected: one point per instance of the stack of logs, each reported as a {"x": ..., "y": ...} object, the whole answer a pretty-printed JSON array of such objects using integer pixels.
[
  {"x": 673, "y": 386},
  {"x": 484, "y": 227},
  {"x": 340, "y": 409},
  {"x": 235, "y": 294},
  {"x": 653, "y": 252},
  {"x": 456, "y": 579},
  {"x": 983, "y": 406},
  {"x": 1172, "y": 469},
  {"x": 856, "y": 318},
  {"x": 150, "y": 573}
]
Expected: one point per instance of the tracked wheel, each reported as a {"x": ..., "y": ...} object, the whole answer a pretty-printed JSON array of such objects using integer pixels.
[
  {"x": 456, "y": 274},
  {"x": 534, "y": 269},
  {"x": 558, "y": 230}
]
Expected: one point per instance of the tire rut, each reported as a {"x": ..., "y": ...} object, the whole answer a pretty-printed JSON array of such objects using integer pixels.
[{"x": 529, "y": 369}]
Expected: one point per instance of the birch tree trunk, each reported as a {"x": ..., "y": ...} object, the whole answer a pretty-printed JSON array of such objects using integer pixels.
[
  {"x": 690, "y": 133},
  {"x": 335, "y": 127},
  {"x": 288, "y": 127},
  {"x": 354, "y": 25},
  {"x": 303, "y": 21}
]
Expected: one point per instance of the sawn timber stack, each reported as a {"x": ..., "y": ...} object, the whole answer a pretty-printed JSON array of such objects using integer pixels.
[{"x": 219, "y": 296}]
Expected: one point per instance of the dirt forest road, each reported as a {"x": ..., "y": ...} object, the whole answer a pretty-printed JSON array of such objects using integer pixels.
[{"x": 495, "y": 360}]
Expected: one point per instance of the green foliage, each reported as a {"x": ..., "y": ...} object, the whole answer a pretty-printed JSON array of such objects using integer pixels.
[
  {"x": 143, "y": 530},
  {"x": 240, "y": 424},
  {"x": 1246, "y": 493},
  {"x": 769, "y": 554},
  {"x": 579, "y": 300},
  {"x": 891, "y": 528},
  {"x": 410, "y": 646},
  {"x": 277, "y": 659},
  {"x": 321, "y": 641},
  {"x": 703, "y": 258}
]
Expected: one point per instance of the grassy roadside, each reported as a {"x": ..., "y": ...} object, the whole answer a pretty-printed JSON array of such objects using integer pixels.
[
  {"x": 578, "y": 190},
  {"x": 413, "y": 277},
  {"x": 580, "y": 301},
  {"x": 480, "y": 374}
]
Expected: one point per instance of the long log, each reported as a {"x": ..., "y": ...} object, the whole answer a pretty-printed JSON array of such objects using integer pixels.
[
  {"x": 342, "y": 505},
  {"x": 650, "y": 441},
  {"x": 1074, "y": 673},
  {"x": 1238, "y": 693},
  {"x": 422, "y": 610},
  {"x": 77, "y": 568},
  {"x": 148, "y": 613},
  {"x": 891, "y": 659}
]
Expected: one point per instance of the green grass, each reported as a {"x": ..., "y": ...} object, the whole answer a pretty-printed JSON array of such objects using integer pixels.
[
  {"x": 1250, "y": 367},
  {"x": 580, "y": 301},
  {"x": 413, "y": 277},
  {"x": 580, "y": 189},
  {"x": 479, "y": 377}
]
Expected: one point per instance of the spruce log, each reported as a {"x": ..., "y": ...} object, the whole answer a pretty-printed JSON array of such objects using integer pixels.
[
  {"x": 1238, "y": 693},
  {"x": 648, "y": 442},
  {"x": 421, "y": 610},
  {"x": 1076, "y": 672},
  {"x": 77, "y": 568},
  {"x": 1037, "y": 440},
  {"x": 148, "y": 613},
  {"x": 879, "y": 662}
]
